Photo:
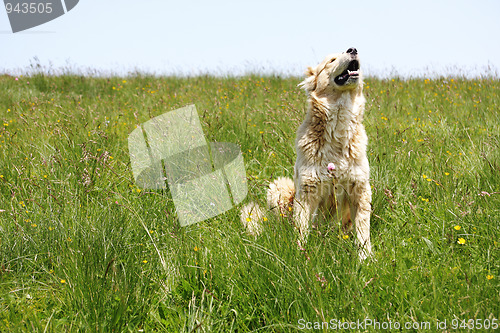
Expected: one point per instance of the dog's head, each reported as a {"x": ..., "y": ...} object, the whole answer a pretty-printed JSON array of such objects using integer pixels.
[{"x": 337, "y": 72}]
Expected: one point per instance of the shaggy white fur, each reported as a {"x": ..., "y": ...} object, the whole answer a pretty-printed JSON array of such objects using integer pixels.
[
  {"x": 332, "y": 132},
  {"x": 280, "y": 196}
]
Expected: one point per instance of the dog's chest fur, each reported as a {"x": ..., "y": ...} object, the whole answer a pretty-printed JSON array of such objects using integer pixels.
[{"x": 333, "y": 133}]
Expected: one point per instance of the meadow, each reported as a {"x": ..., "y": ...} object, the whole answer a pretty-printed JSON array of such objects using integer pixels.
[{"x": 82, "y": 248}]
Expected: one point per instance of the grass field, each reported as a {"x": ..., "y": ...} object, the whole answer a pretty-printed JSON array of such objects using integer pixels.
[{"x": 83, "y": 249}]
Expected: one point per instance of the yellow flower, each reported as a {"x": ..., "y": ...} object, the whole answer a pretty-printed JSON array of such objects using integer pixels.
[
  {"x": 461, "y": 241},
  {"x": 457, "y": 227},
  {"x": 345, "y": 236},
  {"x": 144, "y": 261},
  {"x": 63, "y": 281},
  {"x": 196, "y": 248},
  {"x": 265, "y": 219},
  {"x": 446, "y": 173},
  {"x": 1, "y": 176},
  {"x": 33, "y": 225},
  {"x": 489, "y": 276},
  {"x": 424, "y": 176},
  {"x": 248, "y": 219}
]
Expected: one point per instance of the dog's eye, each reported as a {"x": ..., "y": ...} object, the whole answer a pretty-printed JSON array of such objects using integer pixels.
[{"x": 333, "y": 60}]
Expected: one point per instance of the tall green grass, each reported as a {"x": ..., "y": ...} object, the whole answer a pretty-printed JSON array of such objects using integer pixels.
[{"x": 83, "y": 249}]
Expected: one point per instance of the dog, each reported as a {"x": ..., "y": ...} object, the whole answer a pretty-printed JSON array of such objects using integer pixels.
[{"x": 331, "y": 172}]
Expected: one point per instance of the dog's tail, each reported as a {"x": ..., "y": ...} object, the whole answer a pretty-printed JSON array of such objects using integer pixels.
[{"x": 280, "y": 195}]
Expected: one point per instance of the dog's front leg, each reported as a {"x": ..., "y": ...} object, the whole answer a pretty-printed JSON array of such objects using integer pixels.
[{"x": 360, "y": 211}]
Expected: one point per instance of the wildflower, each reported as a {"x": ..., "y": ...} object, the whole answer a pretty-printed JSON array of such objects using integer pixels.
[
  {"x": 446, "y": 173},
  {"x": 489, "y": 276},
  {"x": 33, "y": 225},
  {"x": 1, "y": 176},
  {"x": 69, "y": 239},
  {"x": 461, "y": 241},
  {"x": 457, "y": 227},
  {"x": 248, "y": 219},
  {"x": 424, "y": 176},
  {"x": 331, "y": 166},
  {"x": 345, "y": 236},
  {"x": 63, "y": 281},
  {"x": 17, "y": 79},
  {"x": 322, "y": 279},
  {"x": 196, "y": 248},
  {"x": 265, "y": 219},
  {"x": 144, "y": 261}
]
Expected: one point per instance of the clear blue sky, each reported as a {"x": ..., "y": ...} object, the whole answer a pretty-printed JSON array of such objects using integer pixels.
[{"x": 188, "y": 37}]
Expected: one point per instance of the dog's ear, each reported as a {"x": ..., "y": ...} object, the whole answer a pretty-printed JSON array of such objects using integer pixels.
[{"x": 309, "y": 84}]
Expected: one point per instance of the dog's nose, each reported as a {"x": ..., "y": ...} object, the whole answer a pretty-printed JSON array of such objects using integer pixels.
[{"x": 352, "y": 51}]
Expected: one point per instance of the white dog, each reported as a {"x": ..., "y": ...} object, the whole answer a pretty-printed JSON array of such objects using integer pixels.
[{"x": 331, "y": 170}]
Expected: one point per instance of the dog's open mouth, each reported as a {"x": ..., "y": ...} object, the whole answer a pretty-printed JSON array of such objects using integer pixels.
[{"x": 352, "y": 71}]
